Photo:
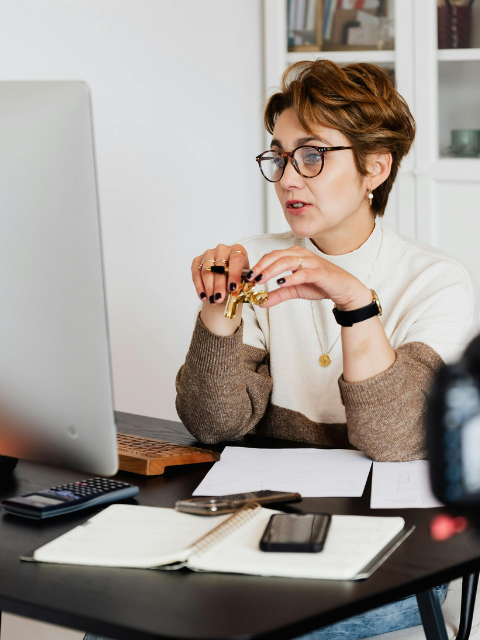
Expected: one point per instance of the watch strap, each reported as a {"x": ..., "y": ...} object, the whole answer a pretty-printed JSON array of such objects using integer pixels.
[{"x": 349, "y": 318}]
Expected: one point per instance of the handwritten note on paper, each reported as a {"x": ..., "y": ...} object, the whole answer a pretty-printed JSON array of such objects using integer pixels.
[
  {"x": 402, "y": 485},
  {"x": 311, "y": 472}
]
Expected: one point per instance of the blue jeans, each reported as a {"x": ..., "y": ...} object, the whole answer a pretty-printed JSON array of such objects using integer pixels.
[{"x": 391, "y": 617}]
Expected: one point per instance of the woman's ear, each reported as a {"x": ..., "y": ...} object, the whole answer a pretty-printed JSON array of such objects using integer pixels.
[{"x": 380, "y": 165}]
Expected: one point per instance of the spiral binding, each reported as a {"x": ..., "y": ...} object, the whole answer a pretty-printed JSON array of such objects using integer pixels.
[{"x": 240, "y": 517}]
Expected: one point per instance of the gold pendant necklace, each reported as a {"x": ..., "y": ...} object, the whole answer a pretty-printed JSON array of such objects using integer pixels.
[{"x": 325, "y": 359}]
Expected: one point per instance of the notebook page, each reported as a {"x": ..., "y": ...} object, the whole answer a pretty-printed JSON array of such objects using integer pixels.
[
  {"x": 310, "y": 472},
  {"x": 352, "y": 542},
  {"x": 402, "y": 485},
  {"x": 129, "y": 536}
]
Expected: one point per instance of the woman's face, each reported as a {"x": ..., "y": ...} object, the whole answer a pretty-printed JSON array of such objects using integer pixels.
[{"x": 334, "y": 199}]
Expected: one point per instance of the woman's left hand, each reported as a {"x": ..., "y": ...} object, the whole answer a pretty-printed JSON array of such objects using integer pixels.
[{"x": 313, "y": 278}]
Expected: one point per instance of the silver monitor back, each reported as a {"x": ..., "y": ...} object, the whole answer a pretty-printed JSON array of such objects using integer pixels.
[{"x": 55, "y": 381}]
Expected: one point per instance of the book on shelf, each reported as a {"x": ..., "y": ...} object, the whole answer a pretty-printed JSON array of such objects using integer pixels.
[
  {"x": 133, "y": 536},
  {"x": 342, "y": 25},
  {"x": 304, "y": 25},
  {"x": 329, "y": 13}
]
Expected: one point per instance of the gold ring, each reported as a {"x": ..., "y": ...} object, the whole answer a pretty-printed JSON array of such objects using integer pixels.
[
  {"x": 224, "y": 261},
  {"x": 299, "y": 263},
  {"x": 238, "y": 251},
  {"x": 200, "y": 266}
]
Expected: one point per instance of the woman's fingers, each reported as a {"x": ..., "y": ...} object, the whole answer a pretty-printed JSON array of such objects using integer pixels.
[
  {"x": 203, "y": 279},
  {"x": 302, "y": 290},
  {"x": 277, "y": 262},
  {"x": 197, "y": 278},
  {"x": 214, "y": 287},
  {"x": 237, "y": 261},
  {"x": 222, "y": 254}
]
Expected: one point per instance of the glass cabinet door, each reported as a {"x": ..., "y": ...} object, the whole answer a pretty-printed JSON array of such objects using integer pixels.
[{"x": 458, "y": 33}]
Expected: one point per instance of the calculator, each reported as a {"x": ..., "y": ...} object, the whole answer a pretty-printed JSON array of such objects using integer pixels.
[{"x": 69, "y": 497}]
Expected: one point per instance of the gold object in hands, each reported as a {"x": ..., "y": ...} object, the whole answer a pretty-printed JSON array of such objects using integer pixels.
[{"x": 243, "y": 293}]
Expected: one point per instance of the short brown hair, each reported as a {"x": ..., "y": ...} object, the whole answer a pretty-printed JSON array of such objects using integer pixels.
[{"x": 360, "y": 100}]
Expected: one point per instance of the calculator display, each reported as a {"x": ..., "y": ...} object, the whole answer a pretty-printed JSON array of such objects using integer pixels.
[
  {"x": 43, "y": 499},
  {"x": 65, "y": 498}
]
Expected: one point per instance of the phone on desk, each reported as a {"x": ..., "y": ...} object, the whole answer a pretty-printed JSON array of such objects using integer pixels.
[
  {"x": 216, "y": 505},
  {"x": 296, "y": 532}
]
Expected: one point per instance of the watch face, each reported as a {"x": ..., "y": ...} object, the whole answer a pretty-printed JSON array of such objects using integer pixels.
[{"x": 377, "y": 302}]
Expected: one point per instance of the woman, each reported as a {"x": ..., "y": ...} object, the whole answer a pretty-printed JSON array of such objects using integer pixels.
[
  {"x": 260, "y": 372},
  {"x": 291, "y": 368}
]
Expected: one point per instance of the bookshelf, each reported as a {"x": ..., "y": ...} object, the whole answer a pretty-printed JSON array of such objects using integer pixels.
[
  {"x": 382, "y": 57},
  {"x": 458, "y": 55},
  {"x": 442, "y": 89}
]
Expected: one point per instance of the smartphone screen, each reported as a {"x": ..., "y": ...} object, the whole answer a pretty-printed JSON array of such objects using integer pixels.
[{"x": 296, "y": 532}]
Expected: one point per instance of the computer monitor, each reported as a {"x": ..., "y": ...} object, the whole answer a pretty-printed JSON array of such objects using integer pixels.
[{"x": 56, "y": 402}]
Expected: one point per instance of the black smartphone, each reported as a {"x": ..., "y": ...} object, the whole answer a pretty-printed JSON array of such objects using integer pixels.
[{"x": 298, "y": 532}]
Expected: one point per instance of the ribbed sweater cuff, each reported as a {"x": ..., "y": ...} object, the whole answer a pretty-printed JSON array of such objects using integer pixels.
[
  {"x": 381, "y": 388},
  {"x": 218, "y": 355}
]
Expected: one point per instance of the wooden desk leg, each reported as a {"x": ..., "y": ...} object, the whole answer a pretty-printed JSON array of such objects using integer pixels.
[
  {"x": 469, "y": 591},
  {"x": 431, "y": 614}
]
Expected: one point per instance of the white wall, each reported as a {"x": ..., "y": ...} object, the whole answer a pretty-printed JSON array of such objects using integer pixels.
[
  {"x": 458, "y": 222},
  {"x": 176, "y": 89}
]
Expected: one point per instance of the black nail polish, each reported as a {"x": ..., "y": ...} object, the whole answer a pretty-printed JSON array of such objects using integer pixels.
[
  {"x": 249, "y": 275},
  {"x": 259, "y": 277},
  {"x": 280, "y": 280},
  {"x": 218, "y": 296},
  {"x": 211, "y": 300},
  {"x": 233, "y": 286},
  {"x": 203, "y": 296}
]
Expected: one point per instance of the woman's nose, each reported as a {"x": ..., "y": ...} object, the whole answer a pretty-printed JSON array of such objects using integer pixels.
[{"x": 291, "y": 179}]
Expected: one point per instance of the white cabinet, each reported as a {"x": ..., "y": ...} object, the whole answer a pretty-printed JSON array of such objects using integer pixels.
[{"x": 436, "y": 197}]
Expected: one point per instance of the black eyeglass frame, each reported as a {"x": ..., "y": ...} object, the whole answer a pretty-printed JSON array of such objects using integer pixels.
[{"x": 291, "y": 154}]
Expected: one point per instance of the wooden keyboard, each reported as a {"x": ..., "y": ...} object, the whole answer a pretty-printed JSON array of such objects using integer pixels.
[{"x": 149, "y": 457}]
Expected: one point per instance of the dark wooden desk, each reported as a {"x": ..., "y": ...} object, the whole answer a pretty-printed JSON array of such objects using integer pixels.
[{"x": 142, "y": 604}]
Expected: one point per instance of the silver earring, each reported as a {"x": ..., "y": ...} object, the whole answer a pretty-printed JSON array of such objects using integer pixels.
[{"x": 370, "y": 197}]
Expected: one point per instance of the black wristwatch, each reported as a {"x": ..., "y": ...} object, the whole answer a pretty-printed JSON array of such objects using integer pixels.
[{"x": 349, "y": 318}]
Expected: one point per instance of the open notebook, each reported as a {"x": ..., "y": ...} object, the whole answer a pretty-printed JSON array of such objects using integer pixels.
[{"x": 153, "y": 538}]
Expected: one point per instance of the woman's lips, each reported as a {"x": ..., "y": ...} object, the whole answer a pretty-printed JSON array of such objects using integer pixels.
[{"x": 297, "y": 210}]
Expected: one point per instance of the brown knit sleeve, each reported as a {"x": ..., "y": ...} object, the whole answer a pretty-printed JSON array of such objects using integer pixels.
[
  {"x": 224, "y": 386},
  {"x": 385, "y": 414}
]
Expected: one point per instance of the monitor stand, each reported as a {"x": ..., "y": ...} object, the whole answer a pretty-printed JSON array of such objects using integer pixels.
[{"x": 7, "y": 465}]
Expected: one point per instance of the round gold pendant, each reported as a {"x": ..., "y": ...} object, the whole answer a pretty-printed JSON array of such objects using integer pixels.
[{"x": 324, "y": 360}]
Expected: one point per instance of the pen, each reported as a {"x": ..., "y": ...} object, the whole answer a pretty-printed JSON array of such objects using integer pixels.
[{"x": 224, "y": 270}]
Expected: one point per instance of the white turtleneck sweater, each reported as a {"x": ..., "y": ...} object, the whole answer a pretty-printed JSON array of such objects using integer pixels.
[{"x": 266, "y": 379}]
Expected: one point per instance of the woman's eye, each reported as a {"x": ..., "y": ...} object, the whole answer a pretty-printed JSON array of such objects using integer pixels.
[
  {"x": 278, "y": 161},
  {"x": 313, "y": 158}
]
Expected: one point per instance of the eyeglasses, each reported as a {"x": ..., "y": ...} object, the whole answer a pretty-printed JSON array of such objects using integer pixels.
[{"x": 307, "y": 161}]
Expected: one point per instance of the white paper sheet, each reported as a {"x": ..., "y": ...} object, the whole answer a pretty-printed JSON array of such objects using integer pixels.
[
  {"x": 402, "y": 485},
  {"x": 311, "y": 472}
]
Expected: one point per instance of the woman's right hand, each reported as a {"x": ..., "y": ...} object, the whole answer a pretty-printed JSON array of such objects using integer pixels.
[{"x": 213, "y": 288}]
